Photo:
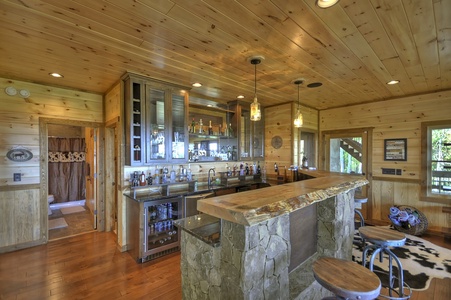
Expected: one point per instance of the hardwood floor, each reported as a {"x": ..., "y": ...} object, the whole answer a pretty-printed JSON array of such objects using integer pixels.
[{"x": 88, "y": 266}]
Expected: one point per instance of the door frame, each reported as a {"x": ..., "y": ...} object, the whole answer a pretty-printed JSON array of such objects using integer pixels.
[
  {"x": 43, "y": 168},
  {"x": 367, "y": 143}
]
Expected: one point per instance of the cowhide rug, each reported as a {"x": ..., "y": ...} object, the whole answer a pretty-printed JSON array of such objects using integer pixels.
[{"x": 420, "y": 259}]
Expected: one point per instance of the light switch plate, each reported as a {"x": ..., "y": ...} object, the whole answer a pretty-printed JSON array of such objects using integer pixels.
[{"x": 17, "y": 177}]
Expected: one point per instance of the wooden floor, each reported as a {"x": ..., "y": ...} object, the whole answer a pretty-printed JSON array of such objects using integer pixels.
[{"x": 88, "y": 266}]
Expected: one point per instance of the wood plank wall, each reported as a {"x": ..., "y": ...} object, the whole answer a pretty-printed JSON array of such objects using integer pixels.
[
  {"x": 397, "y": 118},
  {"x": 277, "y": 123},
  {"x": 19, "y": 126}
]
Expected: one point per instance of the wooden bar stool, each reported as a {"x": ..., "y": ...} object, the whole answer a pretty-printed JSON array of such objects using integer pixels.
[
  {"x": 380, "y": 240},
  {"x": 346, "y": 279},
  {"x": 358, "y": 204}
]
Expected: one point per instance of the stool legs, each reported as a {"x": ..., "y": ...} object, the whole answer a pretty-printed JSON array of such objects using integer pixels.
[
  {"x": 391, "y": 256},
  {"x": 362, "y": 221}
]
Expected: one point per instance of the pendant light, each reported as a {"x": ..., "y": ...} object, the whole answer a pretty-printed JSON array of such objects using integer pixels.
[
  {"x": 326, "y": 3},
  {"x": 299, "y": 121},
  {"x": 256, "y": 113}
]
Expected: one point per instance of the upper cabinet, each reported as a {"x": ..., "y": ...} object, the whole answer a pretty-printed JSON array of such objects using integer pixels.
[
  {"x": 225, "y": 134},
  {"x": 212, "y": 134},
  {"x": 251, "y": 134},
  {"x": 159, "y": 128},
  {"x": 155, "y": 121}
]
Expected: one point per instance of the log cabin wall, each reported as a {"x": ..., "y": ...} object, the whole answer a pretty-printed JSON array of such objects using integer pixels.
[
  {"x": 398, "y": 118},
  {"x": 278, "y": 124},
  {"x": 23, "y": 220},
  {"x": 115, "y": 180}
]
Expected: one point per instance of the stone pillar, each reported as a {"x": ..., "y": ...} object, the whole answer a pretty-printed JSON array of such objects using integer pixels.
[{"x": 255, "y": 260}]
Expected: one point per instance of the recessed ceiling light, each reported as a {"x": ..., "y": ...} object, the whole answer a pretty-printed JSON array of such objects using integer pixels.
[
  {"x": 393, "y": 82},
  {"x": 326, "y": 3},
  {"x": 57, "y": 75},
  {"x": 240, "y": 97},
  {"x": 314, "y": 84},
  {"x": 197, "y": 84}
]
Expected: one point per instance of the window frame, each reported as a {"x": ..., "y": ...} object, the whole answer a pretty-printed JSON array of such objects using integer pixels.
[{"x": 426, "y": 160}]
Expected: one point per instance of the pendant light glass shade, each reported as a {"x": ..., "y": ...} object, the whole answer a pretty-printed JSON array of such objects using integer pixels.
[
  {"x": 256, "y": 113},
  {"x": 299, "y": 120}
]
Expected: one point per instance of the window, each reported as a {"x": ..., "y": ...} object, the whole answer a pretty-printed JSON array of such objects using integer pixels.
[{"x": 436, "y": 161}]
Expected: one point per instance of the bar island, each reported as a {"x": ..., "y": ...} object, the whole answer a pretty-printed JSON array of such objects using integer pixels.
[{"x": 261, "y": 244}]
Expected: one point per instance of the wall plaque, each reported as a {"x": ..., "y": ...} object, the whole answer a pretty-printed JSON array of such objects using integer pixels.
[{"x": 19, "y": 154}]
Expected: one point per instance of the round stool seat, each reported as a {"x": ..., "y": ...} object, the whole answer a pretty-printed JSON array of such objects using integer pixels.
[
  {"x": 346, "y": 279},
  {"x": 382, "y": 236}
]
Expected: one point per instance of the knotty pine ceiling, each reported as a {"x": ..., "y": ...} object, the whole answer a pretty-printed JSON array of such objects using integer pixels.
[{"x": 353, "y": 48}]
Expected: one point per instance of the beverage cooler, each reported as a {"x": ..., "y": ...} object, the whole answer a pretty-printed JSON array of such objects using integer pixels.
[
  {"x": 150, "y": 227},
  {"x": 160, "y": 235}
]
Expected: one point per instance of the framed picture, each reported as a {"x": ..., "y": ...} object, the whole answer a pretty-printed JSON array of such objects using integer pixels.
[{"x": 395, "y": 149}]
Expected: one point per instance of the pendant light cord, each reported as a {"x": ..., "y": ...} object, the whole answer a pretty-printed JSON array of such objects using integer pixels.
[
  {"x": 255, "y": 81},
  {"x": 299, "y": 104}
]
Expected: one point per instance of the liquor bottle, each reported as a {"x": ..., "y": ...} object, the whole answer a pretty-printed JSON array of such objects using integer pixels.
[
  {"x": 200, "y": 126},
  {"x": 210, "y": 129},
  {"x": 172, "y": 174},
  {"x": 230, "y": 130},
  {"x": 189, "y": 174},
  {"x": 193, "y": 126},
  {"x": 142, "y": 179},
  {"x": 276, "y": 168},
  {"x": 259, "y": 170}
]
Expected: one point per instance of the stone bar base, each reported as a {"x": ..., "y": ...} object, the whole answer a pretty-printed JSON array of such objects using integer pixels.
[{"x": 252, "y": 261}]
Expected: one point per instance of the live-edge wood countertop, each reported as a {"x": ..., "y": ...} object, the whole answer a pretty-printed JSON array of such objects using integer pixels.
[{"x": 252, "y": 207}]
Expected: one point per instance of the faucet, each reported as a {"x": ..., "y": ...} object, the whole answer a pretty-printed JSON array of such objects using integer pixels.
[{"x": 209, "y": 178}]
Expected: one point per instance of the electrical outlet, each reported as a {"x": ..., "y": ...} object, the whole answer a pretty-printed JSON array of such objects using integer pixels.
[{"x": 17, "y": 177}]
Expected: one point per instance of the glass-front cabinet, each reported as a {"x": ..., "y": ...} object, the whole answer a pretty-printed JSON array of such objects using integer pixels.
[
  {"x": 212, "y": 134},
  {"x": 155, "y": 118},
  {"x": 250, "y": 133}
]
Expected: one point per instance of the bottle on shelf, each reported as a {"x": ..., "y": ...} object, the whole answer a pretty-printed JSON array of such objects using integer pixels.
[
  {"x": 193, "y": 126},
  {"x": 230, "y": 130},
  {"x": 142, "y": 179},
  {"x": 258, "y": 168},
  {"x": 172, "y": 175},
  {"x": 189, "y": 174},
  {"x": 201, "y": 130},
  {"x": 210, "y": 129}
]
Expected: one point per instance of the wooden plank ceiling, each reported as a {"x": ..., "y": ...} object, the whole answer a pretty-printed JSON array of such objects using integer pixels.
[{"x": 353, "y": 48}]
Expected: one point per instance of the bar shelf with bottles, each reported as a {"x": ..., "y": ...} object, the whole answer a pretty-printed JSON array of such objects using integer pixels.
[{"x": 212, "y": 141}]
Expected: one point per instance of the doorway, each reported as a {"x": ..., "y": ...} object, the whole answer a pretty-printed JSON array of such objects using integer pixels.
[
  {"x": 69, "y": 170},
  {"x": 349, "y": 151}
]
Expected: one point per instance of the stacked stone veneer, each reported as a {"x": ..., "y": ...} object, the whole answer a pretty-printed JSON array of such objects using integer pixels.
[{"x": 252, "y": 261}]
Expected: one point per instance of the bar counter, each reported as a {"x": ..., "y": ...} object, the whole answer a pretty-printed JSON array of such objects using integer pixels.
[{"x": 269, "y": 239}]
